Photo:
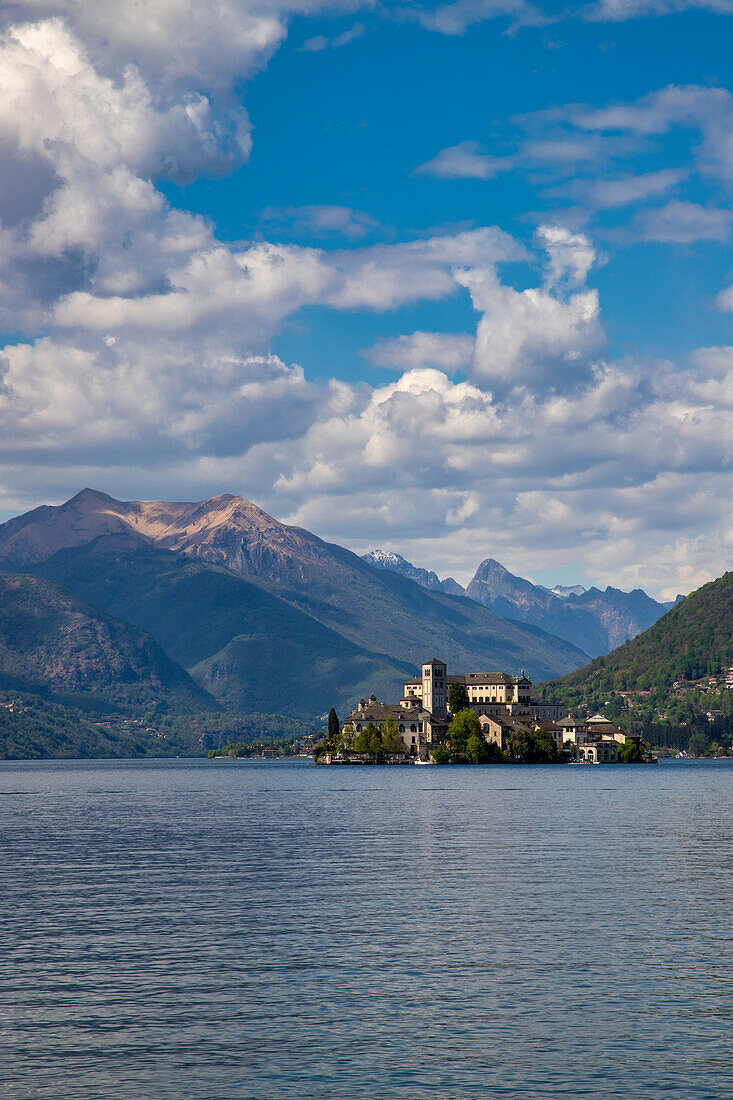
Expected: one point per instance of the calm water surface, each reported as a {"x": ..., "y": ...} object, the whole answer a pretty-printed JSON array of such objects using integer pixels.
[{"x": 219, "y": 930}]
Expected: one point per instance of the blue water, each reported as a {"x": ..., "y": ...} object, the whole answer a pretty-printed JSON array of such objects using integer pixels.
[{"x": 216, "y": 930}]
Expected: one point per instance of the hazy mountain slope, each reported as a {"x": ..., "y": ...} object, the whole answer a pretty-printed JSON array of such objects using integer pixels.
[
  {"x": 375, "y": 610},
  {"x": 395, "y": 563},
  {"x": 593, "y": 620},
  {"x": 252, "y": 651},
  {"x": 51, "y": 640}
]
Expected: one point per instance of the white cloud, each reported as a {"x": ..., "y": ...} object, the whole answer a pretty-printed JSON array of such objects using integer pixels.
[
  {"x": 624, "y": 190},
  {"x": 683, "y": 223},
  {"x": 708, "y": 110},
  {"x": 321, "y": 42},
  {"x": 320, "y": 221},
  {"x": 155, "y": 370},
  {"x": 570, "y": 255},
  {"x": 456, "y": 17},
  {"x": 617, "y": 11},
  {"x": 543, "y": 337},
  {"x": 466, "y": 160},
  {"x": 447, "y": 351}
]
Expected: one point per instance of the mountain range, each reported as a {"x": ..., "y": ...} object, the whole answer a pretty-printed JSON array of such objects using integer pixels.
[
  {"x": 260, "y": 615},
  {"x": 596, "y": 621}
]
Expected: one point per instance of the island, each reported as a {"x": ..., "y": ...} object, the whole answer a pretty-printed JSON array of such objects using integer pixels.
[{"x": 473, "y": 718}]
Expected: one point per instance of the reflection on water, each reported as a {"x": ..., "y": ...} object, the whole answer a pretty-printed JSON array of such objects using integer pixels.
[{"x": 211, "y": 930}]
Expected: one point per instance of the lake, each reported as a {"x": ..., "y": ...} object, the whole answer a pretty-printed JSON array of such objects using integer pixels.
[{"x": 232, "y": 930}]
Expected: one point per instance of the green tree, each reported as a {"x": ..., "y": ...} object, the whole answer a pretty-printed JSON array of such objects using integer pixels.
[
  {"x": 334, "y": 728},
  {"x": 457, "y": 698},
  {"x": 464, "y": 726},
  {"x": 630, "y": 752},
  {"x": 699, "y": 744},
  {"x": 375, "y": 743},
  {"x": 391, "y": 737},
  {"x": 532, "y": 746},
  {"x": 368, "y": 737},
  {"x": 476, "y": 749}
]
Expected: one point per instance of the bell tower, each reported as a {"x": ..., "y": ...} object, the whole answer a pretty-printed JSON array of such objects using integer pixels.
[{"x": 435, "y": 688}]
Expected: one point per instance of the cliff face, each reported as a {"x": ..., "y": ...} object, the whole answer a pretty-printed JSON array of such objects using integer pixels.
[{"x": 594, "y": 620}]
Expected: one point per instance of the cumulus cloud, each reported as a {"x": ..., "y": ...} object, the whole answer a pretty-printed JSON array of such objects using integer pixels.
[
  {"x": 466, "y": 160},
  {"x": 622, "y": 463},
  {"x": 543, "y": 336},
  {"x": 444, "y": 350},
  {"x": 145, "y": 346}
]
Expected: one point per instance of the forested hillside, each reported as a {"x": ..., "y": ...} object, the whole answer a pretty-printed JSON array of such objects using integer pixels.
[
  {"x": 53, "y": 642},
  {"x": 669, "y": 678}
]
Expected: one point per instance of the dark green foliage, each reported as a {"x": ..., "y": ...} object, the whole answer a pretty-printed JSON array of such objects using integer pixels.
[
  {"x": 457, "y": 698},
  {"x": 334, "y": 727},
  {"x": 532, "y": 746},
  {"x": 699, "y": 743},
  {"x": 391, "y": 737},
  {"x": 282, "y": 747},
  {"x": 48, "y": 730},
  {"x": 465, "y": 744},
  {"x": 364, "y": 739},
  {"x": 465, "y": 725},
  {"x": 692, "y": 640},
  {"x": 386, "y": 739},
  {"x": 630, "y": 753}
]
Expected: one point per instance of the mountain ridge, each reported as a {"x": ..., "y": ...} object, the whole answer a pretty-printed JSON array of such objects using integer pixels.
[
  {"x": 387, "y": 618},
  {"x": 596, "y": 620}
]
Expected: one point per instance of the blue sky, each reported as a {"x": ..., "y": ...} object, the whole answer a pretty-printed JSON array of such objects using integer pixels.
[{"x": 454, "y": 280}]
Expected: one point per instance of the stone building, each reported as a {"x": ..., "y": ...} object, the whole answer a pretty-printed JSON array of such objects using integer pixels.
[
  {"x": 581, "y": 731},
  {"x": 501, "y": 702}
]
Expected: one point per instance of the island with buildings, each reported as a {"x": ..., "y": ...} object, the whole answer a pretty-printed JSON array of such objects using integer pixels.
[{"x": 473, "y": 717}]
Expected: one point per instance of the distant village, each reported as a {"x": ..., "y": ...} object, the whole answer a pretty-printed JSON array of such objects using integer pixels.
[{"x": 502, "y": 705}]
